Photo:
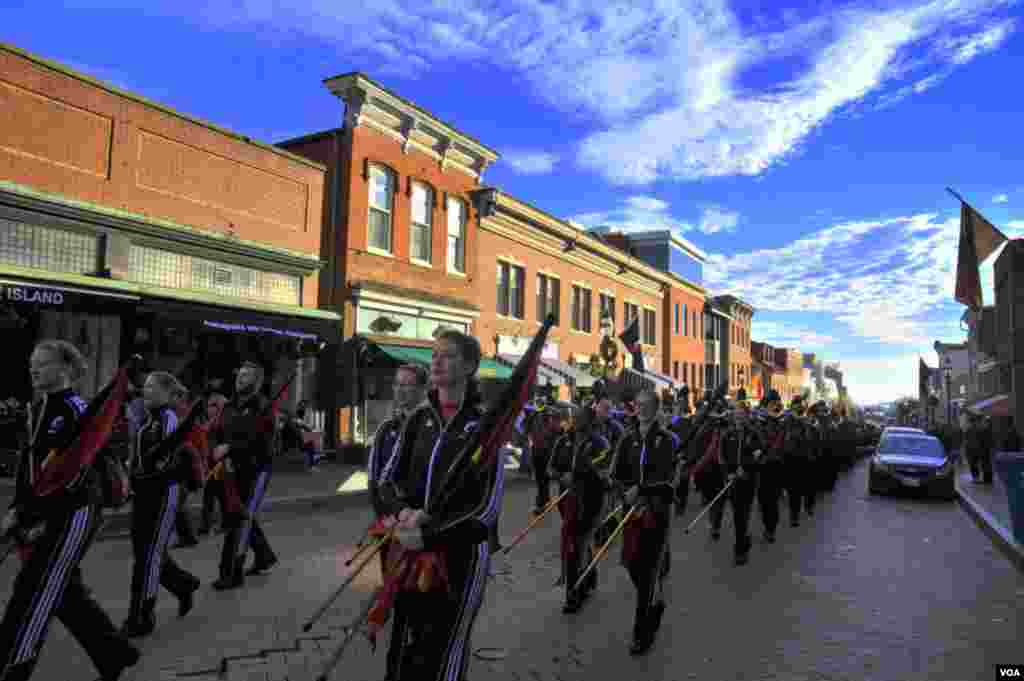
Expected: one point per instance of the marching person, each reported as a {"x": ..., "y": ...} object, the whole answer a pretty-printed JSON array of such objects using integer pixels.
[
  {"x": 577, "y": 462},
  {"x": 771, "y": 471},
  {"x": 183, "y": 525},
  {"x": 410, "y": 388},
  {"x": 642, "y": 472},
  {"x": 706, "y": 470},
  {"x": 741, "y": 447},
  {"x": 213, "y": 490},
  {"x": 50, "y": 580},
  {"x": 155, "y": 472},
  {"x": 245, "y": 438},
  {"x": 432, "y": 639},
  {"x": 543, "y": 427},
  {"x": 607, "y": 426},
  {"x": 799, "y": 464}
]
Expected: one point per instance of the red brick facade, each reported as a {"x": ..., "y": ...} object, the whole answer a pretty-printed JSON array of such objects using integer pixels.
[
  {"x": 790, "y": 378},
  {"x": 66, "y": 135},
  {"x": 683, "y": 349}
]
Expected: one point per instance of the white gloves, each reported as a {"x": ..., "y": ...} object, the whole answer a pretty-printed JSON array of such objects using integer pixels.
[
  {"x": 632, "y": 494},
  {"x": 410, "y": 529},
  {"x": 566, "y": 479}
]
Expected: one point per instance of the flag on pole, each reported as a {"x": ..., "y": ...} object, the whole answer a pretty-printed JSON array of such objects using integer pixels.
[
  {"x": 978, "y": 240},
  {"x": 630, "y": 337},
  {"x": 64, "y": 464}
]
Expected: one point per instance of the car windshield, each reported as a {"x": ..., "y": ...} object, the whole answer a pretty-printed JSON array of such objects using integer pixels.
[{"x": 895, "y": 443}]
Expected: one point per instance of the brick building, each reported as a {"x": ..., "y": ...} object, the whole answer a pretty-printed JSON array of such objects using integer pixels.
[
  {"x": 763, "y": 369},
  {"x": 736, "y": 342},
  {"x": 128, "y": 227},
  {"x": 540, "y": 264},
  {"x": 790, "y": 377},
  {"x": 682, "y": 318}
]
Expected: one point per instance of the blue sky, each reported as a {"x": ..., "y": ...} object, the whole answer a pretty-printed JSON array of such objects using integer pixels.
[{"x": 806, "y": 147}]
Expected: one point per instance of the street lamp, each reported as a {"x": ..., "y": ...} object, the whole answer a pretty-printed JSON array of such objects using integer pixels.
[{"x": 947, "y": 372}]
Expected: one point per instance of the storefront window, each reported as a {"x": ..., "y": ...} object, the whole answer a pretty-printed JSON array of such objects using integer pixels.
[
  {"x": 46, "y": 248},
  {"x": 382, "y": 323},
  {"x": 176, "y": 270}
]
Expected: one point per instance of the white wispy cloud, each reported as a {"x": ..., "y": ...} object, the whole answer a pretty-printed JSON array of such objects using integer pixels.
[
  {"x": 880, "y": 379},
  {"x": 530, "y": 162},
  {"x": 637, "y": 214},
  {"x": 661, "y": 83},
  {"x": 1000, "y": 198},
  {"x": 785, "y": 335},
  {"x": 715, "y": 219}
]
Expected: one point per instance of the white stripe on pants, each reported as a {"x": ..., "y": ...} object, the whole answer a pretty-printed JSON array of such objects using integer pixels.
[
  {"x": 476, "y": 582},
  {"x": 158, "y": 545}
]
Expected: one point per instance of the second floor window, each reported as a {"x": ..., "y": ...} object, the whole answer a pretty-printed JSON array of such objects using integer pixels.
[
  {"x": 382, "y": 190},
  {"x": 686, "y": 321},
  {"x": 581, "y": 308},
  {"x": 422, "y": 222},
  {"x": 510, "y": 290},
  {"x": 649, "y": 333},
  {"x": 676, "y": 320},
  {"x": 629, "y": 313},
  {"x": 548, "y": 297},
  {"x": 456, "y": 236},
  {"x": 608, "y": 308}
]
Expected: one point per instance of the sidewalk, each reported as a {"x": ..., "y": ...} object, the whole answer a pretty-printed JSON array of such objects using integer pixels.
[
  {"x": 292, "y": 488},
  {"x": 987, "y": 505}
]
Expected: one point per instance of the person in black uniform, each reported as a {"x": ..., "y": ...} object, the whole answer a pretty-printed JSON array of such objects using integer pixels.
[
  {"x": 771, "y": 471},
  {"x": 433, "y": 636},
  {"x": 578, "y": 460},
  {"x": 156, "y": 472},
  {"x": 50, "y": 580},
  {"x": 740, "y": 449},
  {"x": 799, "y": 464},
  {"x": 245, "y": 437},
  {"x": 642, "y": 473},
  {"x": 410, "y": 388}
]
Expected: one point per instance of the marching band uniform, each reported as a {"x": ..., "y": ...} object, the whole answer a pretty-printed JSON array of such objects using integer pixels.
[
  {"x": 798, "y": 466},
  {"x": 247, "y": 426},
  {"x": 577, "y": 459},
  {"x": 645, "y": 461},
  {"x": 771, "y": 471},
  {"x": 542, "y": 428},
  {"x": 681, "y": 427},
  {"x": 737, "y": 459},
  {"x": 433, "y": 639},
  {"x": 155, "y": 481},
  {"x": 50, "y": 580}
]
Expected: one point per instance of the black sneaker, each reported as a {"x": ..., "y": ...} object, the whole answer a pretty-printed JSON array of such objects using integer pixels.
[
  {"x": 742, "y": 558},
  {"x": 769, "y": 537},
  {"x": 794, "y": 523},
  {"x": 716, "y": 535},
  {"x": 228, "y": 582}
]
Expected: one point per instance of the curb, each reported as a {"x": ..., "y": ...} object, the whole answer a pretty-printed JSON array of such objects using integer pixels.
[
  {"x": 1000, "y": 536},
  {"x": 118, "y": 523}
]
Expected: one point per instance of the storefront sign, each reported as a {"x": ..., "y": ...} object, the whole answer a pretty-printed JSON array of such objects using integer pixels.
[
  {"x": 31, "y": 295},
  {"x": 254, "y": 328}
]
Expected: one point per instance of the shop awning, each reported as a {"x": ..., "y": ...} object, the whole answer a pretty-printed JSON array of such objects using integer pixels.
[
  {"x": 302, "y": 325},
  {"x": 420, "y": 355},
  {"x": 999, "y": 405},
  {"x": 549, "y": 375}
]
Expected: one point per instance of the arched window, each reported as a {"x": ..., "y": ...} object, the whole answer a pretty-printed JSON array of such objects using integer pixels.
[
  {"x": 456, "y": 235},
  {"x": 422, "y": 227},
  {"x": 382, "y": 194}
]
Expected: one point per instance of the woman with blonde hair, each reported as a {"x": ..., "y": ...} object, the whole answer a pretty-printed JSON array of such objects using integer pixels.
[
  {"x": 50, "y": 580},
  {"x": 156, "y": 472}
]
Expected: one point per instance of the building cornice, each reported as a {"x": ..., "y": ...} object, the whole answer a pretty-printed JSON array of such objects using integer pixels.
[
  {"x": 370, "y": 103},
  {"x": 493, "y": 202},
  {"x": 61, "y": 68},
  {"x": 156, "y": 229}
]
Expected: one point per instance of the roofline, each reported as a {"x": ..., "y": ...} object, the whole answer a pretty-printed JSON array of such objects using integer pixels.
[
  {"x": 581, "y": 235},
  {"x": 356, "y": 76},
  {"x": 311, "y": 137},
  {"x": 68, "y": 71},
  {"x": 685, "y": 244}
]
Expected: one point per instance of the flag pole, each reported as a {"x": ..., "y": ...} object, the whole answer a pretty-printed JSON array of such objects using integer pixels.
[{"x": 957, "y": 196}]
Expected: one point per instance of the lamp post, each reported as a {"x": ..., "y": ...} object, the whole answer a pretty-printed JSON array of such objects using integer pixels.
[{"x": 947, "y": 372}]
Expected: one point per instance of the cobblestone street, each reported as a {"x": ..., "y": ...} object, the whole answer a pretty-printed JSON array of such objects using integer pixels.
[{"x": 868, "y": 589}]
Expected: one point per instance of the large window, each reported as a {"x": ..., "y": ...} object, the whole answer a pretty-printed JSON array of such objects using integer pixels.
[
  {"x": 456, "y": 236},
  {"x": 422, "y": 222},
  {"x": 177, "y": 270},
  {"x": 607, "y": 303},
  {"x": 46, "y": 248},
  {"x": 676, "y": 320},
  {"x": 649, "y": 332},
  {"x": 629, "y": 313},
  {"x": 686, "y": 322},
  {"x": 510, "y": 290},
  {"x": 382, "y": 192},
  {"x": 548, "y": 297},
  {"x": 581, "y": 304}
]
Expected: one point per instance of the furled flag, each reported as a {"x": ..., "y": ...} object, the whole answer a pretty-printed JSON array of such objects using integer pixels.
[
  {"x": 978, "y": 240},
  {"x": 64, "y": 464},
  {"x": 630, "y": 337}
]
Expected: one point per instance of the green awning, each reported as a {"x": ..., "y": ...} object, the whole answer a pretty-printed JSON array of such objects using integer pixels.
[{"x": 416, "y": 355}]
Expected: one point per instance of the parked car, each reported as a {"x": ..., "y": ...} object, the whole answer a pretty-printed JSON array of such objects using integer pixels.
[
  {"x": 902, "y": 429},
  {"x": 911, "y": 461}
]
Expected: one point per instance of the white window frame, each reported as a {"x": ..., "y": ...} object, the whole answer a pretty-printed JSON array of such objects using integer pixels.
[
  {"x": 389, "y": 211},
  {"x": 449, "y": 254},
  {"x": 414, "y": 224}
]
